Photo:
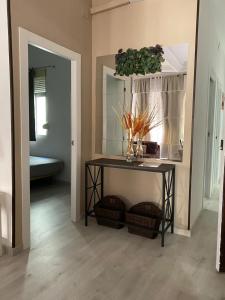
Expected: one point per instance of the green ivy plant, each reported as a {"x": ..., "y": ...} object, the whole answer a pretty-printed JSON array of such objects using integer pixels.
[{"x": 144, "y": 61}]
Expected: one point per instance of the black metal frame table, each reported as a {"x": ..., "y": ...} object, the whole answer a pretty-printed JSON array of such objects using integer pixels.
[{"x": 94, "y": 174}]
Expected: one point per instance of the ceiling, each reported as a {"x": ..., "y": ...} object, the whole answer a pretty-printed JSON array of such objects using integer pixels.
[{"x": 175, "y": 58}]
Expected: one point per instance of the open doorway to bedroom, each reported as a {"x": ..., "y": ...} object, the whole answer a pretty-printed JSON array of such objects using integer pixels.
[
  {"x": 213, "y": 146},
  {"x": 50, "y": 141},
  {"x": 27, "y": 38}
]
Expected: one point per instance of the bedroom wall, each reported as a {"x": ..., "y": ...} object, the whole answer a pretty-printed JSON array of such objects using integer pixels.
[
  {"x": 57, "y": 142},
  {"x": 146, "y": 23},
  {"x": 67, "y": 23},
  {"x": 5, "y": 129}
]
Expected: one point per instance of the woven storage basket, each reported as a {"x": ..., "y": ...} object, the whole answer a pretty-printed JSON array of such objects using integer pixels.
[
  {"x": 110, "y": 211},
  {"x": 144, "y": 219}
]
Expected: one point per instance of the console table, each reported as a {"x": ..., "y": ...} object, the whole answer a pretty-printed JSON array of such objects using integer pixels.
[{"x": 94, "y": 187}]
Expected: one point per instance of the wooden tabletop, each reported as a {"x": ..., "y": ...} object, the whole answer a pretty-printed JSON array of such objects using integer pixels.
[{"x": 135, "y": 165}]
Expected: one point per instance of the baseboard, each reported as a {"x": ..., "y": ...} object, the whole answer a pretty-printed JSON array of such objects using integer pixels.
[
  {"x": 183, "y": 232},
  {"x": 5, "y": 247},
  {"x": 14, "y": 251},
  {"x": 8, "y": 250}
]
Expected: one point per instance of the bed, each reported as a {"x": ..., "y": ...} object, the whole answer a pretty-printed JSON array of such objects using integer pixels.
[{"x": 44, "y": 167}]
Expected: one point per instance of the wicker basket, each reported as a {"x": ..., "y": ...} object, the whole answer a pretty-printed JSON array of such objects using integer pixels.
[
  {"x": 110, "y": 211},
  {"x": 144, "y": 219}
]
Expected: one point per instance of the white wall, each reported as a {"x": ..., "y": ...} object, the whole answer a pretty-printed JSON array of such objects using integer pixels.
[
  {"x": 211, "y": 62},
  {"x": 57, "y": 143},
  {"x": 5, "y": 127}
]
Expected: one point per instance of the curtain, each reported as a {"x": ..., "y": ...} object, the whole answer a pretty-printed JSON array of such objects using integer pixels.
[
  {"x": 167, "y": 94},
  {"x": 147, "y": 94},
  {"x": 173, "y": 97},
  {"x": 31, "y": 105}
]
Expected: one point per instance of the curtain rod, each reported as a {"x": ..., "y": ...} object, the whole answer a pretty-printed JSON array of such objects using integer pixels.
[
  {"x": 45, "y": 67},
  {"x": 161, "y": 75}
]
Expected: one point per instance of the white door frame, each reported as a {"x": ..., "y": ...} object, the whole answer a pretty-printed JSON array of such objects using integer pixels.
[
  {"x": 106, "y": 71},
  {"x": 27, "y": 38},
  {"x": 209, "y": 146},
  {"x": 220, "y": 212}
]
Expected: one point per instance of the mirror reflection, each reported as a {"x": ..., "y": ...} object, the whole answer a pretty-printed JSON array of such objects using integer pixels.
[{"x": 161, "y": 95}]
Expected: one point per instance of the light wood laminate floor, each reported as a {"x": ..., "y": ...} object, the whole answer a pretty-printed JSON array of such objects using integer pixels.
[{"x": 72, "y": 262}]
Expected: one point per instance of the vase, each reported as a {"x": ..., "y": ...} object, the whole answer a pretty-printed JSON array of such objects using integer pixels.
[
  {"x": 130, "y": 148},
  {"x": 139, "y": 149}
]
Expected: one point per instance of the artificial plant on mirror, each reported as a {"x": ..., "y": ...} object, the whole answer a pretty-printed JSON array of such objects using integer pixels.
[{"x": 144, "y": 61}]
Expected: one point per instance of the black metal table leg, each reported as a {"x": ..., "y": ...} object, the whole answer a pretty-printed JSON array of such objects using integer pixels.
[
  {"x": 92, "y": 185},
  {"x": 173, "y": 200},
  {"x": 86, "y": 195},
  {"x": 163, "y": 208},
  {"x": 102, "y": 182}
]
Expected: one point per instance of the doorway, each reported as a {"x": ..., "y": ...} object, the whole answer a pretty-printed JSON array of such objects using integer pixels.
[
  {"x": 26, "y": 39},
  {"x": 212, "y": 174},
  {"x": 50, "y": 142}
]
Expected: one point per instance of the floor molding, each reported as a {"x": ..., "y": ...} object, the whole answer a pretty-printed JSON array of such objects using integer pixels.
[
  {"x": 14, "y": 251},
  {"x": 8, "y": 250},
  {"x": 183, "y": 232}
]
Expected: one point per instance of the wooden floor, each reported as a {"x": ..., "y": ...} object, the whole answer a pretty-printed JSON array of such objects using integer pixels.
[{"x": 72, "y": 262}]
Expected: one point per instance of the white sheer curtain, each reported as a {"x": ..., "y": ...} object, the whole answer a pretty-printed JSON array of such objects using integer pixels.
[{"x": 167, "y": 94}]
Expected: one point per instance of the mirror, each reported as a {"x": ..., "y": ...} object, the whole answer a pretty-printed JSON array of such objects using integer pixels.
[{"x": 161, "y": 94}]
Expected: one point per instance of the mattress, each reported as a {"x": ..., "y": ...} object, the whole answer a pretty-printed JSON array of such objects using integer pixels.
[{"x": 41, "y": 167}]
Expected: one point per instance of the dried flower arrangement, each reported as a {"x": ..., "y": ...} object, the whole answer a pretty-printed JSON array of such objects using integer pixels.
[
  {"x": 141, "y": 123},
  {"x": 138, "y": 125}
]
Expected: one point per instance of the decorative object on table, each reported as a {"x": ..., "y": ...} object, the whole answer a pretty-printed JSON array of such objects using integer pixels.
[
  {"x": 181, "y": 150},
  {"x": 144, "y": 61},
  {"x": 110, "y": 211},
  {"x": 130, "y": 154},
  {"x": 144, "y": 219},
  {"x": 138, "y": 125},
  {"x": 149, "y": 164},
  {"x": 151, "y": 147},
  {"x": 139, "y": 149}
]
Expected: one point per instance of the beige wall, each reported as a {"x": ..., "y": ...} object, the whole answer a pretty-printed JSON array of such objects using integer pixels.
[
  {"x": 144, "y": 24},
  {"x": 67, "y": 23},
  {"x": 99, "y": 2},
  {"x": 5, "y": 132}
]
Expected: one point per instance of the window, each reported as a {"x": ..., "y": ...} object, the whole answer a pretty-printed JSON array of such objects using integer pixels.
[
  {"x": 40, "y": 102},
  {"x": 40, "y": 114}
]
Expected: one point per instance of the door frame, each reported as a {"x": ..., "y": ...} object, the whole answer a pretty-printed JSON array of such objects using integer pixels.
[
  {"x": 209, "y": 156},
  {"x": 27, "y": 38},
  {"x": 220, "y": 253},
  {"x": 106, "y": 71}
]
